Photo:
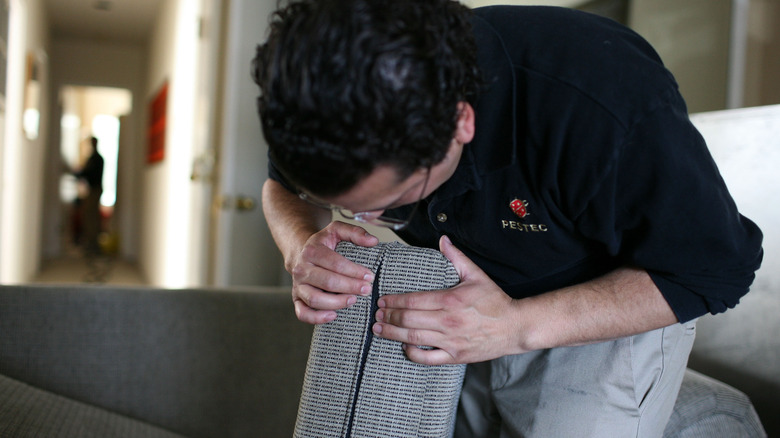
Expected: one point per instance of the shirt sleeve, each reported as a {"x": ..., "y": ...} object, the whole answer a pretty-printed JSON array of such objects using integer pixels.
[
  {"x": 664, "y": 206},
  {"x": 274, "y": 174}
]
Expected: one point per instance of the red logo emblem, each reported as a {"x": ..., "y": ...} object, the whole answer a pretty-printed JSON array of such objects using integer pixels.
[{"x": 519, "y": 207}]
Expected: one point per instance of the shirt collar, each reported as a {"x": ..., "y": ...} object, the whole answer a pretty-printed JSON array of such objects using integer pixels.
[{"x": 494, "y": 116}]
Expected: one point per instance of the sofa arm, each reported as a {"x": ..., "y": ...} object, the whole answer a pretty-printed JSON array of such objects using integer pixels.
[{"x": 707, "y": 408}]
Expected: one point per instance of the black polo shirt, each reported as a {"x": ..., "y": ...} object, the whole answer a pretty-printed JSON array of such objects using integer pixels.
[{"x": 584, "y": 159}]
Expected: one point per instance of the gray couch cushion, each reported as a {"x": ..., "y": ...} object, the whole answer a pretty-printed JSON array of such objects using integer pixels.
[
  {"x": 202, "y": 363},
  {"x": 707, "y": 408},
  {"x": 359, "y": 385},
  {"x": 26, "y": 411}
]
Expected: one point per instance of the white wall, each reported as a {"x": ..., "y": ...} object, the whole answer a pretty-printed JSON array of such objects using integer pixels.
[
  {"x": 693, "y": 40},
  {"x": 21, "y": 187},
  {"x": 166, "y": 250},
  {"x": 741, "y": 346},
  {"x": 763, "y": 53},
  {"x": 562, "y": 3}
]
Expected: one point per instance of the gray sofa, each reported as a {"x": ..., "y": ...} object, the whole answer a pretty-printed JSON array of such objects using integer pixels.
[
  {"x": 81, "y": 361},
  {"x": 90, "y": 361}
]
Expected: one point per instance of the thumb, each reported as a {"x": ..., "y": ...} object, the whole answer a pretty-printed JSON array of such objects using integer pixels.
[
  {"x": 353, "y": 233},
  {"x": 462, "y": 263}
]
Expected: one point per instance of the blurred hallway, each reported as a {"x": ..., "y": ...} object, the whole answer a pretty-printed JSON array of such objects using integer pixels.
[{"x": 73, "y": 267}]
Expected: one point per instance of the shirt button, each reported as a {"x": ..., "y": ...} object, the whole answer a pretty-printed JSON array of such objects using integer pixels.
[{"x": 441, "y": 217}]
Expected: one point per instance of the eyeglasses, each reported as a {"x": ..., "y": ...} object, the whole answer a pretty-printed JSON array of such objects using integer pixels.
[{"x": 375, "y": 217}]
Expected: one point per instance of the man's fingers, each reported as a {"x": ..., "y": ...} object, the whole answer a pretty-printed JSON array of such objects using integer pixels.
[
  {"x": 308, "y": 315},
  {"x": 424, "y": 320},
  {"x": 460, "y": 261},
  {"x": 320, "y": 300},
  {"x": 317, "y": 307},
  {"x": 428, "y": 300},
  {"x": 353, "y": 233},
  {"x": 426, "y": 356},
  {"x": 331, "y": 281},
  {"x": 408, "y": 336},
  {"x": 412, "y": 339},
  {"x": 325, "y": 258}
]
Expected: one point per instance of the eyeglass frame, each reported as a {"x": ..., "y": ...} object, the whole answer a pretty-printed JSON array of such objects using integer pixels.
[{"x": 363, "y": 217}]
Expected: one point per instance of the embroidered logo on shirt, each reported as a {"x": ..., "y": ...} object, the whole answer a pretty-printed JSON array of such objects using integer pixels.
[{"x": 519, "y": 207}]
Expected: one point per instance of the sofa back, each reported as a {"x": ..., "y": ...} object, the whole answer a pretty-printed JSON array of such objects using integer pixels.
[
  {"x": 741, "y": 347},
  {"x": 202, "y": 363}
]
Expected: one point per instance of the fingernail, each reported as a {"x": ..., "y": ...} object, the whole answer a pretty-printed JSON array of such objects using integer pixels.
[
  {"x": 351, "y": 300},
  {"x": 381, "y": 302},
  {"x": 378, "y": 329},
  {"x": 365, "y": 290},
  {"x": 447, "y": 240},
  {"x": 380, "y": 316},
  {"x": 369, "y": 276}
]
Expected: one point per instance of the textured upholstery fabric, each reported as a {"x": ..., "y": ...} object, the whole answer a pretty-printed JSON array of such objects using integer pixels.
[
  {"x": 358, "y": 385},
  {"x": 203, "y": 363},
  {"x": 27, "y": 412},
  {"x": 707, "y": 408}
]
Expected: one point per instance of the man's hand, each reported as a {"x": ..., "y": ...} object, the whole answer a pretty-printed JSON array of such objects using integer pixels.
[
  {"x": 471, "y": 322},
  {"x": 476, "y": 321},
  {"x": 324, "y": 280}
]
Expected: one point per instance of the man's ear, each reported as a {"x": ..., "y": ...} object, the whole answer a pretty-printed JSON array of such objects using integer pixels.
[{"x": 464, "y": 129}]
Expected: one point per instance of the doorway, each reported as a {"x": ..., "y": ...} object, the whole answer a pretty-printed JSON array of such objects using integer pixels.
[{"x": 89, "y": 237}]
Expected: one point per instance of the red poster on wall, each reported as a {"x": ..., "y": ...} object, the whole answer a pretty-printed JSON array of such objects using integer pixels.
[{"x": 156, "y": 130}]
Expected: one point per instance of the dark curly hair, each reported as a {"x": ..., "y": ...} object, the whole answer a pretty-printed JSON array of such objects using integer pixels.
[{"x": 347, "y": 85}]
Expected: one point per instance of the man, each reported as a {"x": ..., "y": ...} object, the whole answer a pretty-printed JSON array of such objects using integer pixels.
[
  {"x": 92, "y": 174},
  {"x": 549, "y": 155}
]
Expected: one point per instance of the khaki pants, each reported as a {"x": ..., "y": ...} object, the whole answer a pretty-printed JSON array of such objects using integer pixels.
[
  {"x": 90, "y": 208},
  {"x": 621, "y": 388}
]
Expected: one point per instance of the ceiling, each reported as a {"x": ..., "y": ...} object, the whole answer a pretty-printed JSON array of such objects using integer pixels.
[{"x": 127, "y": 21}]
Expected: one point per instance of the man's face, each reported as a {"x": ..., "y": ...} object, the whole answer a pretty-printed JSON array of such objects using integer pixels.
[{"x": 382, "y": 189}]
